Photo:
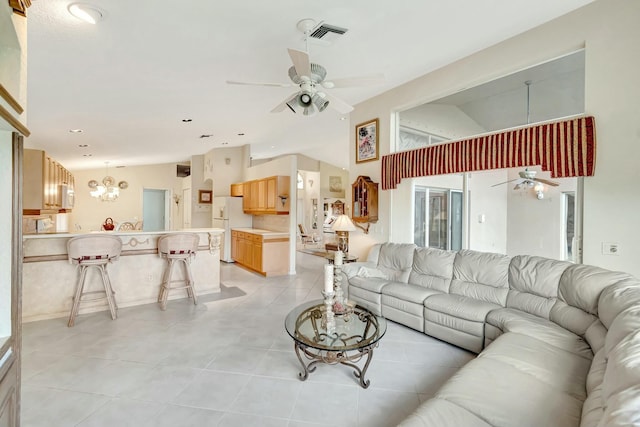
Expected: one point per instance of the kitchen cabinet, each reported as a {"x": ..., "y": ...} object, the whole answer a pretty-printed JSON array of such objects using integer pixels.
[
  {"x": 236, "y": 190},
  {"x": 364, "y": 200},
  {"x": 267, "y": 254},
  {"x": 267, "y": 196},
  {"x": 47, "y": 184}
]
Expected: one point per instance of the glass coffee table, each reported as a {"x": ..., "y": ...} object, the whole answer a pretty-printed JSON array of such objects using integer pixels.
[{"x": 356, "y": 334}]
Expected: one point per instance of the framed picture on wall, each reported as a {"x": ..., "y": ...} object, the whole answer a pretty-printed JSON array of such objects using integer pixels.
[
  {"x": 204, "y": 196},
  {"x": 367, "y": 141}
]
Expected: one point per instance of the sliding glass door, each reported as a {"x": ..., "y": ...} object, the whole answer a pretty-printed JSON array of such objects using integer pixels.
[{"x": 438, "y": 218}]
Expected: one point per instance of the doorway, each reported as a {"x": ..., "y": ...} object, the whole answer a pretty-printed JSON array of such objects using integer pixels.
[{"x": 154, "y": 209}]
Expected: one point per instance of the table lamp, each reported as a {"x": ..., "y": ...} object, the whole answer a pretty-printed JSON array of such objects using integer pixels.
[{"x": 342, "y": 226}]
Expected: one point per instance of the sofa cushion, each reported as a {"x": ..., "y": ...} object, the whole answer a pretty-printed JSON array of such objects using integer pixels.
[
  {"x": 482, "y": 276},
  {"x": 621, "y": 384},
  {"x": 395, "y": 260},
  {"x": 533, "y": 283},
  {"x": 526, "y": 394},
  {"x": 617, "y": 298},
  {"x": 561, "y": 369},
  {"x": 624, "y": 325},
  {"x": 371, "y": 284},
  {"x": 579, "y": 290},
  {"x": 408, "y": 292},
  {"x": 432, "y": 268},
  {"x": 460, "y": 306},
  {"x": 512, "y": 320},
  {"x": 442, "y": 413}
]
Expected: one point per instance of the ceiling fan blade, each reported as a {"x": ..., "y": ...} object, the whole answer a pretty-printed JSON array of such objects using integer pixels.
[
  {"x": 285, "y": 104},
  {"x": 337, "y": 104},
  {"x": 233, "y": 82},
  {"x": 374, "y": 79},
  {"x": 546, "y": 181},
  {"x": 300, "y": 61},
  {"x": 506, "y": 182}
]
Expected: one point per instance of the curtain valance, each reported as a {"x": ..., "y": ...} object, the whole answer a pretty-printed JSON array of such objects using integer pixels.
[{"x": 565, "y": 148}]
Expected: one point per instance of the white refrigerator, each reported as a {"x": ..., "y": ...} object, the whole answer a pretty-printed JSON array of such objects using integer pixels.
[{"x": 228, "y": 214}]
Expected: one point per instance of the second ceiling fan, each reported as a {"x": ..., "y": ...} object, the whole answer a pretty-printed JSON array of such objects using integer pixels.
[{"x": 310, "y": 79}]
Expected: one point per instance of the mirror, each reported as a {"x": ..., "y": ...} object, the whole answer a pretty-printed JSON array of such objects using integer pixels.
[{"x": 508, "y": 211}]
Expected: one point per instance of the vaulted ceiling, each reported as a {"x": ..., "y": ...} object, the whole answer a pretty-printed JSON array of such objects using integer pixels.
[{"x": 130, "y": 80}]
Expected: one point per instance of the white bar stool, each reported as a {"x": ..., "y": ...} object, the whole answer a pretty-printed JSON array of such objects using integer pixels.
[
  {"x": 93, "y": 251},
  {"x": 178, "y": 247}
]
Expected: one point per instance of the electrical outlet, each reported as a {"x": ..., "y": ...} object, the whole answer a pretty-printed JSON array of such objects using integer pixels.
[
  {"x": 609, "y": 248},
  {"x": 150, "y": 278}
]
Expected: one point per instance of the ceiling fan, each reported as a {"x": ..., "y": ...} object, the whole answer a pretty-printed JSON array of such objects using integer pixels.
[
  {"x": 528, "y": 179},
  {"x": 310, "y": 79}
]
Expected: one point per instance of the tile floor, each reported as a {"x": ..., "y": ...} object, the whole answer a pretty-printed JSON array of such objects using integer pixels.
[{"x": 225, "y": 362}]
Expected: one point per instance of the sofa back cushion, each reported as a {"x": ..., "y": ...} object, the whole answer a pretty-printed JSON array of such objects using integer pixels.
[
  {"x": 395, "y": 260},
  {"x": 432, "y": 268},
  {"x": 617, "y": 298},
  {"x": 576, "y": 308},
  {"x": 533, "y": 283},
  {"x": 481, "y": 275}
]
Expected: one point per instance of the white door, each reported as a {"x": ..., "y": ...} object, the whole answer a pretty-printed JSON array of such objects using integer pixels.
[
  {"x": 154, "y": 210},
  {"x": 186, "y": 208}
]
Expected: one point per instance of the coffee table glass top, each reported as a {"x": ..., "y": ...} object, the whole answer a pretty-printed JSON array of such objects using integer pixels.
[{"x": 353, "y": 331}]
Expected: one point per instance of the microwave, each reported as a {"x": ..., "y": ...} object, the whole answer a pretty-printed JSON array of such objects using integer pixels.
[{"x": 65, "y": 196}]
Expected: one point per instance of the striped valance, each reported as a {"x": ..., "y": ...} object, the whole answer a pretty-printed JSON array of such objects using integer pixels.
[{"x": 565, "y": 148}]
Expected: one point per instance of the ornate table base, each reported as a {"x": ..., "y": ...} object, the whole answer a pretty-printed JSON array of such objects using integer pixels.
[{"x": 348, "y": 358}]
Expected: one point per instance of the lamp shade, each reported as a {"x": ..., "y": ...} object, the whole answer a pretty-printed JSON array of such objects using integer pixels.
[{"x": 343, "y": 223}]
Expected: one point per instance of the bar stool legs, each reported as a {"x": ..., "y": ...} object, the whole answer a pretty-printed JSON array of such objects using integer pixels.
[
  {"x": 79, "y": 292},
  {"x": 187, "y": 281}
]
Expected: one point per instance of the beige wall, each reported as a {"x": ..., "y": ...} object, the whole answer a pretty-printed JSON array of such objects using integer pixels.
[
  {"x": 89, "y": 213},
  {"x": 608, "y": 30}
]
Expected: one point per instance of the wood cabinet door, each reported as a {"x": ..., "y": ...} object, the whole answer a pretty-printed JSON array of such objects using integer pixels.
[
  {"x": 271, "y": 193},
  {"x": 234, "y": 245},
  {"x": 262, "y": 195},
  {"x": 256, "y": 256},
  {"x": 246, "y": 197},
  {"x": 243, "y": 251},
  {"x": 254, "y": 196}
]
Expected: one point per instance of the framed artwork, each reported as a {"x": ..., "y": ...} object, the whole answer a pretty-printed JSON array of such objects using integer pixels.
[
  {"x": 204, "y": 196},
  {"x": 367, "y": 141}
]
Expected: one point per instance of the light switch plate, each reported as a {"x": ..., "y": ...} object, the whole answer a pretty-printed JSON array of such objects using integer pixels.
[{"x": 609, "y": 248}]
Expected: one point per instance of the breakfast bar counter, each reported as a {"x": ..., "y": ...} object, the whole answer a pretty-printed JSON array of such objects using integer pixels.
[{"x": 48, "y": 279}]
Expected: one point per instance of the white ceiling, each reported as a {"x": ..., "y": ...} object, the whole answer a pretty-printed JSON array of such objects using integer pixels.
[{"x": 130, "y": 80}]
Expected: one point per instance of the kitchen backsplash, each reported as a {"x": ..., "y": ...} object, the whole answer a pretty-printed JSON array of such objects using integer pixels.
[{"x": 271, "y": 222}]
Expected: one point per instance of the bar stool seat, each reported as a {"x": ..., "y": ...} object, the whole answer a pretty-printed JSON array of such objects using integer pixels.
[
  {"x": 177, "y": 248},
  {"x": 93, "y": 251}
]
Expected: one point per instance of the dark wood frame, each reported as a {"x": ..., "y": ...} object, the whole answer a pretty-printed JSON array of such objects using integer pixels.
[
  {"x": 205, "y": 197},
  {"x": 359, "y": 140}
]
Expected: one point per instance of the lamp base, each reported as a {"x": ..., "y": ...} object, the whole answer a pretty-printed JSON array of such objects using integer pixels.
[{"x": 343, "y": 241}]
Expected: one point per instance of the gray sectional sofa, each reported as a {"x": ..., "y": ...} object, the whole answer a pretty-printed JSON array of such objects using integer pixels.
[{"x": 558, "y": 343}]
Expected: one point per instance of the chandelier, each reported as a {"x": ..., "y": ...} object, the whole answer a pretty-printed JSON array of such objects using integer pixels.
[{"x": 108, "y": 191}]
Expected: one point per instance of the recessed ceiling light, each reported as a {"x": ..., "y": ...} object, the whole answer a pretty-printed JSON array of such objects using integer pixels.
[
  {"x": 76, "y": 130},
  {"x": 241, "y": 134},
  {"x": 273, "y": 146},
  {"x": 87, "y": 155},
  {"x": 86, "y": 13},
  {"x": 225, "y": 143},
  {"x": 83, "y": 145},
  {"x": 343, "y": 118},
  {"x": 187, "y": 120},
  {"x": 205, "y": 136}
]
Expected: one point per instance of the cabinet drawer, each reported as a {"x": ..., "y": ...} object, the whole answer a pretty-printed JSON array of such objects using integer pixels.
[{"x": 255, "y": 237}]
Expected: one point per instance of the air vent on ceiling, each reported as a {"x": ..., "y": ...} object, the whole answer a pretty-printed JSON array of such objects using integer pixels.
[{"x": 326, "y": 32}]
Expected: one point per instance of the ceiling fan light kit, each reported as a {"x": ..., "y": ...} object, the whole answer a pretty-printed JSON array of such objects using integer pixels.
[{"x": 309, "y": 77}]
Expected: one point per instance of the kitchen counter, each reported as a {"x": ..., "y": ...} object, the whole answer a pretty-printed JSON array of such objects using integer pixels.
[
  {"x": 266, "y": 233},
  {"x": 49, "y": 279}
]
